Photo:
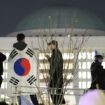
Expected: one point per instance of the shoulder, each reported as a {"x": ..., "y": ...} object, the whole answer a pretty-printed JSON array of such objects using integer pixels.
[
  {"x": 20, "y": 45},
  {"x": 59, "y": 52},
  {"x": 96, "y": 66},
  {"x": 93, "y": 65},
  {"x": 15, "y": 44}
]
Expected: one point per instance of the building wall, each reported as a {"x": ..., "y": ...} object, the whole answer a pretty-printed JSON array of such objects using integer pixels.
[{"x": 86, "y": 56}]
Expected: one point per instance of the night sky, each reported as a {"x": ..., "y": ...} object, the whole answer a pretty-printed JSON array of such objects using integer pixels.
[{"x": 13, "y": 11}]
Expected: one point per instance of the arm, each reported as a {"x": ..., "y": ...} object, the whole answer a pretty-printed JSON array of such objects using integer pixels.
[
  {"x": 59, "y": 64},
  {"x": 48, "y": 57}
]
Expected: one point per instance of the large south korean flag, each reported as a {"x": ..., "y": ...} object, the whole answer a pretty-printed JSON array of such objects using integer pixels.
[{"x": 22, "y": 73}]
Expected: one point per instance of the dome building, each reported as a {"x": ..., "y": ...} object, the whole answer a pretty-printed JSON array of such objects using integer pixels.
[
  {"x": 78, "y": 33},
  {"x": 60, "y": 21}
]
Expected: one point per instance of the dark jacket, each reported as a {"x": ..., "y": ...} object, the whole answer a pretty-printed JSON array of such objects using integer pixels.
[
  {"x": 97, "y": 74},
  {"x": 56, "y": 69},
  {"x": 2, "y": 58}
]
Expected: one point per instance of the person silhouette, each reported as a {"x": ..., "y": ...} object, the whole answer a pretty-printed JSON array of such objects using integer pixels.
[{"x": 2, "y": 58}]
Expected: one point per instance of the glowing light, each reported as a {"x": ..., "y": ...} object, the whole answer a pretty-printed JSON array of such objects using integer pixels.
[
  {"x": 67, "y": 56},
  {"x": 69, "y": 76},
  {"x": 89, "y": 56},
  {"x": 4, "y": 75},
  {"x": 96, "y": 97},
  {"x": 84, "y": 55},
  {"x": 68, "y": 35},
  {"x": 2, "y": 96},
  {"x": 4, "y": 85}
]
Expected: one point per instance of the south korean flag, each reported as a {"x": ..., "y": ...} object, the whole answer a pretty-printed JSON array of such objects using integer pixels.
[{"x": 22, "y": 71}]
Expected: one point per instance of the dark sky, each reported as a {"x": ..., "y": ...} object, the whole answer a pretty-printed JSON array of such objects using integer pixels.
[{"x": 13, "y": 11}]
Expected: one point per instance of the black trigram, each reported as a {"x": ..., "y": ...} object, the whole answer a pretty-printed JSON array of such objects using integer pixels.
[
  {"x": 14, "y": 81},
  {"x": 29, "y": 52},
  {"x": 31, "y": 79},
  {"x": 13, "y": 54}
]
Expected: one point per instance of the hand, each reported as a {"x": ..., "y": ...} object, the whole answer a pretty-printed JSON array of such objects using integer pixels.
[{"x": 47, "y": 56}]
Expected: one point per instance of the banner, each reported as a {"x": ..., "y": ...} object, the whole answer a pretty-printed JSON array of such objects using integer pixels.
[{"x": 22, "y": 71}]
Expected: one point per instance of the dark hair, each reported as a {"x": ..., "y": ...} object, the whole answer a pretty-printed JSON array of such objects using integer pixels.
[
  {"x": 98, "y": 57},
  {"x": 54, "y": 42},
  {"x": 20, "y": 37}
]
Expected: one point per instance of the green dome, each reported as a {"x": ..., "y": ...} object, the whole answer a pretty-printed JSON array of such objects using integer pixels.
[{"x": 60, "y": 18}]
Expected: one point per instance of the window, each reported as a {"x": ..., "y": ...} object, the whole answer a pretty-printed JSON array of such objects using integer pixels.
[
  {"x": 68, "y": 66},
  {"x": 84, "y": 65},
  {"x": 82, "y": 85},
  {"x": 67, "y": 56},
  {"x": 88, "y": 75},
  {"x": 88, "y": 65},
  {"x": 88, "y": 84},
  {"x": 84, "y": 55},
  {"x": 84, "y": 76},
  {"x": 89, "y": 55}
]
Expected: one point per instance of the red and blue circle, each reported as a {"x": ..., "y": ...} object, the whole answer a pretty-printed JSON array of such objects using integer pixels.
[{"x": 22, "y": 67}]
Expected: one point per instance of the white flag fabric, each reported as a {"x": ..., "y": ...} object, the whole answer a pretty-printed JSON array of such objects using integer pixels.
[
  {"x": 25, "y": 101},
  {"x": 22, "y": 71}
]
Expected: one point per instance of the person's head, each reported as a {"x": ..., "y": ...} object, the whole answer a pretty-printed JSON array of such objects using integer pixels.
[
  {"x": 54, "y": 44},
  {"x": 20, "y": 37},
  {"x": 99, "y": 58}
]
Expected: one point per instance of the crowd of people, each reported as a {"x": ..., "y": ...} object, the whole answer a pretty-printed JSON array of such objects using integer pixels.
[{"x": 55, "y": 84}]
